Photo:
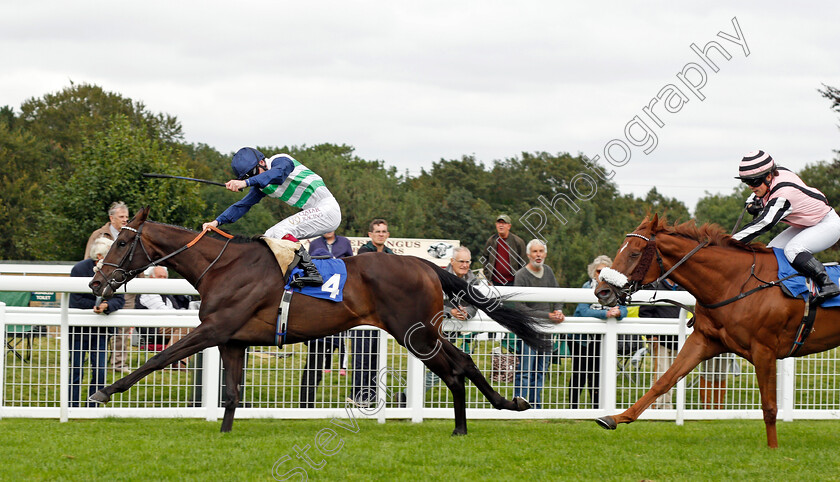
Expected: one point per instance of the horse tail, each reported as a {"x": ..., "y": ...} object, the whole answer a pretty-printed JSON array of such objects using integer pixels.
[{"x": 521, "y": 324}]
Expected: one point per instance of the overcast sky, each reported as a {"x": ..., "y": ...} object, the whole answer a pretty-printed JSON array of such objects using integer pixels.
[{"x": 411, "y": 83}]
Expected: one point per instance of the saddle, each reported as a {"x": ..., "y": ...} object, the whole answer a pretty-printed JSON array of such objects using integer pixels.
[
  {"x": 797, "y": 285},
  {"x": 800, "y": 286},
  {"x": 284, "y": 252}
]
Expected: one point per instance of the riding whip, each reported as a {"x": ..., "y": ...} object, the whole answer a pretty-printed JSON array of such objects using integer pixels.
[
  {"x": 167, "y": 176},
  {"x": 738, "y": 222}
]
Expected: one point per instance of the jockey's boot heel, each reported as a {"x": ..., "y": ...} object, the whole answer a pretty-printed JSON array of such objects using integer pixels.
[
  {"x": 310, "y": 275},
  {"x": 806, "y": 264}
]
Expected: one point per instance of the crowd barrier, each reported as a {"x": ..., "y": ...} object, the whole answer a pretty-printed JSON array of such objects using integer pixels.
[{"x": 36, "y": 370}]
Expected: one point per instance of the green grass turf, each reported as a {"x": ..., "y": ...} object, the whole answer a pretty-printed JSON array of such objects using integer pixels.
[{"x": 184, "y": 449}]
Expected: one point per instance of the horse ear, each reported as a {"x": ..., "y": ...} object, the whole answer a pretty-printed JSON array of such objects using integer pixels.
[
  {"x": 655, "y": 221},
  {"x": 141, "y": 215}
]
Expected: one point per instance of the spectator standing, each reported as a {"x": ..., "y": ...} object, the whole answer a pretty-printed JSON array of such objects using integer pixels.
[
  {"x": 165, "y": 302},
  {"x": 505, "y": 254},
  {"x": 91, "y": 340},
  {"x": 319, "y": 356},
  {"x": 335, "y": 246},
  {"x": 530, "y": 373},
  {"x": 117, "y": 218},
  {"x": 663, "y": 348},
  {"x": 459, "y": 265},
  {"x": 586, "y": 349},
  {"x": 365, "y": 343}
]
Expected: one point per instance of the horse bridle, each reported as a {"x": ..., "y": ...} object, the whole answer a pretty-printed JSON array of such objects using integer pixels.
[
  {"x": 635, "y": 278},
  {"x": 120, "y": 276}
]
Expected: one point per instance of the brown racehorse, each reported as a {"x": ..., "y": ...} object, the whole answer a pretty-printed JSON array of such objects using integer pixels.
[
  {"x": 760, "y": 327},
  {"x": 241, "y": 286}
]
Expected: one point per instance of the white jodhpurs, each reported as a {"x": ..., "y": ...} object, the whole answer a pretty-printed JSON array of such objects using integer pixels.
[
  {"x": 813, "y": 239},
  {"x": 309, "y": 223}
]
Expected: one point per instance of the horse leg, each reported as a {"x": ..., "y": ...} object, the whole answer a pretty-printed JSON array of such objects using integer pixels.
[
  {"x": 466, "y": 363},
  {"x": 200, "y": 338},
  {"x": 233, "y": 357},
  {"x": 439, "y": 363},
  {"x": 462, "y": 364},
  {"x": 765, "y": 371},
  {"x": 696, "y": 349}
]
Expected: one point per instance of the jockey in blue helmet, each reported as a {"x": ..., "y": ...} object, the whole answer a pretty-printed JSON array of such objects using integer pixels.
[{"x": 283, "y": 177}]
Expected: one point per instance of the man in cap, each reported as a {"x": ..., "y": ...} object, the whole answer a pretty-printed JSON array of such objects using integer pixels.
[
  {"x": 505, "y": 253},
  {"x": 284, "y": 178}
]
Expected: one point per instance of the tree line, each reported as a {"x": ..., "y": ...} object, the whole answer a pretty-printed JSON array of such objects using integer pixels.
[{"x": 66, "y": 156}]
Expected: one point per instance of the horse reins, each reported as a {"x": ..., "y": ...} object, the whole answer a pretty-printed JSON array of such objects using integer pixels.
[
  {"x": 641, "y": 269},
  {"x": 644, "y": 264},
  {"x": 114, "y": 283}
]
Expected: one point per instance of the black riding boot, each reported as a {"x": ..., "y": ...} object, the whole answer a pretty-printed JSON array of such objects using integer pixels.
[
  {"x": 310, "y": 275},
  {"x": 806, "y": 264}
]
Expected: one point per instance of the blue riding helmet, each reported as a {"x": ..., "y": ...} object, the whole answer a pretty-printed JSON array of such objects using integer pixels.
[{"x": 244, "y": 160}]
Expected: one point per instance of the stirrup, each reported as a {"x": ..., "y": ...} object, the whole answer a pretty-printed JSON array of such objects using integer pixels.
[
  {"x": 307, "y": 280},
  {"x": 821, "y": 296}
]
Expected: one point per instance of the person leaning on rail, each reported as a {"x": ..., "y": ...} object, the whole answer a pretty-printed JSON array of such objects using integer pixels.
[{"x": 779, "y": 195}]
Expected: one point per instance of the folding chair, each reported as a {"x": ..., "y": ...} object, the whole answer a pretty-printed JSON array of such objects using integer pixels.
[{"x": 19, "y": 341}]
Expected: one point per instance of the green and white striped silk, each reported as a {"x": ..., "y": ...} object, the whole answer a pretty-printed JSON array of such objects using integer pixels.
[{"x": 297, "y": 188}]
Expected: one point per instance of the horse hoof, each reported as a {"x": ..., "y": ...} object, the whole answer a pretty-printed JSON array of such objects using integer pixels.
[
  {"x": 100, "y": 398},
  {"x": 521, "y": 404},
  {"x": 458, "y": 433},
  {"x": 607, "y": 423}
]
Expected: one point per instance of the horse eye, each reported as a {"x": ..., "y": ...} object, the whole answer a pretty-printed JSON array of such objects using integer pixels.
[
  {"x": 635, "y": 255},
  {"x": 121, "y": 244}
]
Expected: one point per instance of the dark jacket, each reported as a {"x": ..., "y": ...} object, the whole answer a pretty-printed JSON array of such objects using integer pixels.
[
  {"x": 86, "y": 301},
  {"x": 370, "y": 248},
  {"x": 518, "y": 254},
  {"x": 340, "y": 248}
]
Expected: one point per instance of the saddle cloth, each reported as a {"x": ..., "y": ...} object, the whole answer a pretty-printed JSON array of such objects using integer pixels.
[
  {"x": 799, "y": 285},
  {"x": 334, "y": 274}
]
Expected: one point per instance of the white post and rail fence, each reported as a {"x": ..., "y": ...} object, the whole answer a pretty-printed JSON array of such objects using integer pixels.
[{"x": 36, "y": 372}]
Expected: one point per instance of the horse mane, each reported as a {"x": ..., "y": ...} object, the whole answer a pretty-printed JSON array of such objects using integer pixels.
[{"x": 716, "y": 235}]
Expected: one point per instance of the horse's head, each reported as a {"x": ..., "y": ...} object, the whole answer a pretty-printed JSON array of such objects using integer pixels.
[
  {"x": 633, "y": 265},
  {"x": 123, "y": 260}
]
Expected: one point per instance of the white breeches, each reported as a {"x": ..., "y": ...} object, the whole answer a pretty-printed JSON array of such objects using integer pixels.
[
  {"x": 309, "y": 223},
  {"x": 813, "y": 239}
]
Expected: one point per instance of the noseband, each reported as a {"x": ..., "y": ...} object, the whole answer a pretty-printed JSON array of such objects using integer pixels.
[
  {"x": 120, "y": 276},
  {"x": 634, "y": 281}
]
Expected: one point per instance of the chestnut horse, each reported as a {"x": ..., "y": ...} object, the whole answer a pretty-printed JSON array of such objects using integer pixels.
[
  {"x": 241, "y": 287},
  {"x": 760, "y": 327}
]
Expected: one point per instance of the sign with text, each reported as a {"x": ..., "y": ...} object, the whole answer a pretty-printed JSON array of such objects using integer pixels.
[{"x": 437, "y": 251}]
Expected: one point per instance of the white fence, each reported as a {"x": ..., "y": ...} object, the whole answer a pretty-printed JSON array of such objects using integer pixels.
[{"x": 36, "y": 369}]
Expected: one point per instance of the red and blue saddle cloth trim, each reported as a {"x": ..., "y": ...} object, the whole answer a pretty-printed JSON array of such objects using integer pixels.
[
  {"x": 800, "y": 285},
  {"x": 334, "y": 274}
]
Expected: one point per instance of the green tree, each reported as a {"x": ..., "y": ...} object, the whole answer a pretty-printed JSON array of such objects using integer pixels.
[
  {"x": 22, "y": 192},
  {"x": 109, "y": 167},
  {"x": 65, "y": 118}
]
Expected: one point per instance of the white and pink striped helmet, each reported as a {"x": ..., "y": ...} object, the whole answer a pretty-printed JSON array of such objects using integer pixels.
[{"x": 755, "y": 164}]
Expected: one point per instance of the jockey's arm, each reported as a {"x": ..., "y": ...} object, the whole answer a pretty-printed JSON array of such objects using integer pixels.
[
  {"x": 239, "y": 208},
  {"x": 281, "y": 167},
  {"x": 773, "y": 212}
]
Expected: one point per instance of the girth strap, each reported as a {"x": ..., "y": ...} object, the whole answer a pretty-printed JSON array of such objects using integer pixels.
[
  {"x": 806, "y": 325},
  {"x": 283, "y": 318}
]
